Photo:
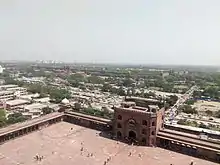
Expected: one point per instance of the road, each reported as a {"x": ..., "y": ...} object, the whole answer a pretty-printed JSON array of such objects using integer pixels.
[{"x": 172, "y": 112}]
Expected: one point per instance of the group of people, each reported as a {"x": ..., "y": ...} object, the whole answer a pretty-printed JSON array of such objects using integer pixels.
[
  {"x": 38, "y": 158},
  {"x": 189, "y": 164},
  {"x": 108, "y": 160},
  {"x": 82, "y": 149}
]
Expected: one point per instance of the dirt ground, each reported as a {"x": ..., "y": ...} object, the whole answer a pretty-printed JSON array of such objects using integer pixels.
[
  {"x": 68, "y": 144},
  {"x": 207, "y": 105}
]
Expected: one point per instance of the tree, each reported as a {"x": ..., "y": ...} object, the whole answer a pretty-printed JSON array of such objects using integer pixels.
[
  {"x": 190, "y": 102},
  {"x": 172, "y": 100},
  {"x": 127, "y": 82},
  {"x": 202, "y": 125},
  {"x": 212, "y": 91},
  {"x": 121, "y": 91},
  {"x": 77, "y": 77},
  {"x": 217, "y": 114},
  {"x": 74, "y": 83},
  {"x": 188, "y": 109},
  {"x": 2, "y": 118},
  {"x": 9, "y": 80},
  {"x": 59, "y": 94},
  {"x": 106, "y": 87},
  {"x": 97, "y": 112},
  {"x": 15, "y": 118},
  {"x": 35, "y": 88},
  {"x": 197, "y": 94},
  {"x": 95, "y": 80},
  {"x": 182, "y": 122},
  {"x": 209, "y": 113},
  {"x": 47, "y": 110}
]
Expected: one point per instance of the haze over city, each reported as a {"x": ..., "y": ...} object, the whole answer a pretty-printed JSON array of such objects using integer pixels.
[{"x": 134, "y": 32}]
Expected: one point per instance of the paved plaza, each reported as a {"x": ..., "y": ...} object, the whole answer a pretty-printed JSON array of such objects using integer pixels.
[{"x": 68, "y": 144}]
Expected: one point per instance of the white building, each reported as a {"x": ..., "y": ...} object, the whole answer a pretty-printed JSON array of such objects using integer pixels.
[
  {"x": 6, "y": 95},
  {"x": 18, "y": 91},
  {"x": 17, "y": 104},
  {"x": 42, "y": 100},
  {"x": 6, "y": 87},
  {"x": 1, "y": 69},
  {"x": 29, "y": 97},
  {"x": 34, "y": 110}
]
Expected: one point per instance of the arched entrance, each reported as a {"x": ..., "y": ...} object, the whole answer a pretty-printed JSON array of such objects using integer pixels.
[
  {"x": 132, "y": 136},
  {"x": 143, "y": 141},
  {"x": 119, "y": 135}
]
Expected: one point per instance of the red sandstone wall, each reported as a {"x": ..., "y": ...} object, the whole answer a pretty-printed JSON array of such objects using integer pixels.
[
  {"x": 138, "y": 117},
  {"x": 160, "y": 116}
]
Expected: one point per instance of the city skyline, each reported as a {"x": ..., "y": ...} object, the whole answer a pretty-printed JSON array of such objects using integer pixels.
[{"x": 118, "y": 32}]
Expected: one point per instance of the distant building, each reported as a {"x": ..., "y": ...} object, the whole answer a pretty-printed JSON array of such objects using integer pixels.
[
  {"x": 2, "y": 81},
  {"x": 6, "y": 95},
  {"x": 14, "y": 104},
  {"x": 6, "y": 87},
  {"x": 29, "y": 97},
  {"x": 1, "y": 69},
  {"x": 138, "y": 124},
  {"x": 18, "y": 90},
  {"x": 42, "y": 100},
  {"x": 35, "y": 110},
  {"x": 165, "y": 74}
]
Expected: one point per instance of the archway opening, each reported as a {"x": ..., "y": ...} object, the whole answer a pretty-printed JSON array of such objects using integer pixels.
[
  {"x": 132, "y": 136},
  {"x": 144, "y": 141},
  {"x": 119, "y": 135}
]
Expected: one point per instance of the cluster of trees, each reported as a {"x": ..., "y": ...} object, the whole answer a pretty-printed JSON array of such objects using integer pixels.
[
  {"x": 11, "y": 119},
  {"x": 212, "y": 92},
  {"x": 108, "y": 88},
  {"x": 77, "y": 78},
  {"x": 172, "y": 100},
  {"x": 97, "y": 113},
  {"x": 187, "y": 122},
  {"x": 196, "y": 124},
  {"x": 214, "y": 114},
  {"x": 188, "y": 109},
  {"x": 47, "y": 110},
  {"x": 56, "y": 94},
  {"x": 217, "y": 114},
  {"x": 59, "y": 94},
  {"x": 190, "y": 102}
]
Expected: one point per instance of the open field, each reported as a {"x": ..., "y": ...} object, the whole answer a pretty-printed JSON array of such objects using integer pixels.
[
  {"x": 202, "y": 106},
  {"x": 68, "y": 144}
]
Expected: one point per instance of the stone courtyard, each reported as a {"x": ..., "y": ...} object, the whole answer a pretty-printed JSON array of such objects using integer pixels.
[{"x": 68, "y": 144}]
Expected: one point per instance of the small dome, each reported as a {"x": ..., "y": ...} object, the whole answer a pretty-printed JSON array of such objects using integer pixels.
[
  {"x": 65, "y": 101},
  {"x": 36, "y": 95}
]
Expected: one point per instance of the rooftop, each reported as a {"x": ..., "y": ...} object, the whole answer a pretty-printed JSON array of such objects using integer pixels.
[
  {"x": 61, "y": 144},
  {"x": 16, "y": 88},
  {"x": 137, "y": 110},
  {"x": 30, "y": 96},
  {"x": 195, "y": 129},
  {"x": 35, "y": 106},
  {"x": 16, "y": 102},
  {"x": 8, "y": 86},
  {"x": 142, "y": 99},
  {"x": 43, "y": 100},
  {"x": 6, "y": 92}
]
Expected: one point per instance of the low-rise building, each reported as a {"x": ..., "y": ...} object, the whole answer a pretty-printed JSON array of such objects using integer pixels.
[
  {"x": 1, "y": 69},
  {"x": 29, "y": 97},
  {"x": 14, "y": 104},
  {"x": 18, "y": 90},
  {"x": 42, "y": 100},
  {"x": 2, "y": 81},
  {"x": 6, "y": 87},
  {"x": 35, "y": 110},
  {"x": 6, "y": 95}
]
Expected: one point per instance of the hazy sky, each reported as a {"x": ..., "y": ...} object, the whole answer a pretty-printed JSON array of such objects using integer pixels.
[{"x": 113, "y": 31}]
